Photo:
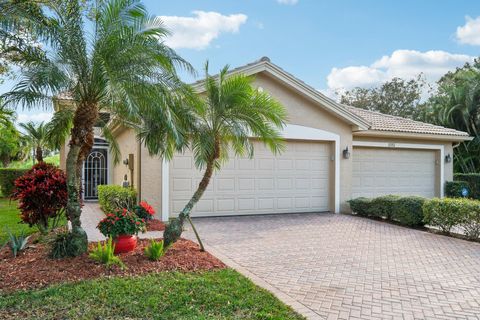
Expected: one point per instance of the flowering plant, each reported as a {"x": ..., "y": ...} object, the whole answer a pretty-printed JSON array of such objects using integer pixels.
[
  {"x": 144, "y": 210},
  {"x": 121, "y": 222}
]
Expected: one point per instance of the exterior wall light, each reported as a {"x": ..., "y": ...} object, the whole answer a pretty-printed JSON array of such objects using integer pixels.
[
  {"x": 448, "y": 158},
  {"x": 346, "y": 153}
]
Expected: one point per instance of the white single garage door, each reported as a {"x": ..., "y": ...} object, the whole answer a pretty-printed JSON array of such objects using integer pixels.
[
  {"x": 295, "y": 181},
  {"x": 382, "y": 171}
]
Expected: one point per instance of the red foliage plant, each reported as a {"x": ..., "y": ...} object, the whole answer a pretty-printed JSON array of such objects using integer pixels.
[{"x": 42, "y": 194}]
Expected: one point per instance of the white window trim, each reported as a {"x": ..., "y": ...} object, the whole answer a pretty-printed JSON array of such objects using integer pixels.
[
  {"x": 109, "y": 166},
  {"x": 394, "y": 145},
  {"x": 290, "y": 132}
]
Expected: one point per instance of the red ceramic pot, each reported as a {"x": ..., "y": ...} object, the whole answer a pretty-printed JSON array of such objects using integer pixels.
[{"x": 125, "y": 243}]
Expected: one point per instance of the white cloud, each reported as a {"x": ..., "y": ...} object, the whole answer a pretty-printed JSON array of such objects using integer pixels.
[
  {"x": 405, "y": 64},
  {"x": 199, "y": 31},
  {"x": 35, "y": 117},
  {"x": 470, "y": 32},
  {"x": 288, "y": 2}
]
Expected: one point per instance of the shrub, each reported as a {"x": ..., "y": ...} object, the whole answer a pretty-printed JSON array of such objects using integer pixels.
[
  {"x": 113, "y": 197},
  {"x": 470, "y": 214},
  {"x": 104, "y": 254},
  {"x": 382, "y": 206},
  {"x": 408, "y": 211},
  {"x": 453, "y": 189},
  {"x": 144, "y": 211},
  {"x": 444, "y": 213},
  {"x": 62, "y": 246},
  {"x": 361, "y": 206},
  {"x": 17, "y": 243},
  {"x": 155, "y": 250},
  {"x": 473, "y": 180},
  {"x": 42, "y": 195},
  {"x": 7, "y": 180},
  {"x": 121, "y": 222}
]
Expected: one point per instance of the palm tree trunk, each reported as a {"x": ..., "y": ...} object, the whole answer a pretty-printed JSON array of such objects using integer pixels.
[
  {"x": 174, "y": 229},
  {"x": 39, "y": 154},
  {"x": 81, "y": 142}
]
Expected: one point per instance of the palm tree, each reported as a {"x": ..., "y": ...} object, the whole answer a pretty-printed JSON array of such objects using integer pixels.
[
  {"x": 231, "y": 112},
  {"x": 36, "y": 136},
  {"x": 112, "y": 58}
]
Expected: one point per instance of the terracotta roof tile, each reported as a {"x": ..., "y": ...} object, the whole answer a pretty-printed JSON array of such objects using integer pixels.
[{"x": 383, "y": 122}]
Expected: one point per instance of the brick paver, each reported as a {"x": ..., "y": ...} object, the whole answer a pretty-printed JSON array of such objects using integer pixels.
[{"x": 346, "y": 267}]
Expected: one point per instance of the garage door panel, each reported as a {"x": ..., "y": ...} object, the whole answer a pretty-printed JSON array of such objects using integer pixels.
[
  {"x": 381, "y": 171},
  {"x": 295, "y": 181}
]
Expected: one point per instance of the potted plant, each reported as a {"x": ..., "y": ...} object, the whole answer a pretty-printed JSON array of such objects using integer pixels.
[
  {"x": 144, "y": 211},
  {"x": 122, "y": 226}
]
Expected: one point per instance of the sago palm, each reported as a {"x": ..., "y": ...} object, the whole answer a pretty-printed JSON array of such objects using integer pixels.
[
  {"x": 36, "y": 136},
  {"x": 230, "y": 114},
  {"x": 111, "y": 58}
]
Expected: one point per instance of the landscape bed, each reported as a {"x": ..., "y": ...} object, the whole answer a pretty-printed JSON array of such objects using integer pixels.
[{"x": 34, "y": 269}]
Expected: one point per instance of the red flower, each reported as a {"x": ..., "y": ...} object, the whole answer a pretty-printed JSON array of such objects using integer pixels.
[{"x": 147, "y": 207}]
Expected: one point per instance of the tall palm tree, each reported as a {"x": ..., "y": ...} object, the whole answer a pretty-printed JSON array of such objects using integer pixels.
[
  {"x": 231, "y": 112},
  {"x": 112, "y": 58},
  {"x": 36, "y": 136}
]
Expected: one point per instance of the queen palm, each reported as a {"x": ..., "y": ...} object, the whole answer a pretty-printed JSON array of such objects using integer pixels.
[
  {"x": 112, "y": 58},
  {"x": 36, "y": 137},
  {"x": 231, "y": 112}
]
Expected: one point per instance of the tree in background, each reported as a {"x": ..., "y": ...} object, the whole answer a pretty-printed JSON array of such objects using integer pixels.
[
  {"x": 231, "y": 112},
  {"x": 121, "y": 64},
  {"x": 36, "y": 137},
  {"x": 457, "y": 105},
  {"x": 396, "y": 97},
  {"x": 9, "y": 143}
]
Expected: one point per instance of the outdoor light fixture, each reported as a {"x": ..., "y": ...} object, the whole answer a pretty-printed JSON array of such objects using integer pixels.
[
  {"x": 448, "y": 158},
  {"x": 125, "y": 162},
  {"x": 346, "y": 153}
]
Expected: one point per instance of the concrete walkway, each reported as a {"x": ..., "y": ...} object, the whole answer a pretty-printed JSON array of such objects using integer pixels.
[{"x": 91, "y": 216}]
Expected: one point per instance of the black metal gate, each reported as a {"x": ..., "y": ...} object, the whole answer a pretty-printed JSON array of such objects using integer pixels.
[{"x": 95, "y": 173}]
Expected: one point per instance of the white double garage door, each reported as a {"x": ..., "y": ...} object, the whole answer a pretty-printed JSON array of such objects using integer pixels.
[{"x": 299, "y": 180}]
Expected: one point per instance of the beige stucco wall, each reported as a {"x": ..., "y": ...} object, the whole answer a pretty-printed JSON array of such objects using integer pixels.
[
  {"x": 128, "y": 144},
  {"x": 151, "y": 180},
  {"x": 304, "y": 112}
]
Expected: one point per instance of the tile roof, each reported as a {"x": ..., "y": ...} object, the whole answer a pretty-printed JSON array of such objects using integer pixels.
[{"x": 383, "y": 122}]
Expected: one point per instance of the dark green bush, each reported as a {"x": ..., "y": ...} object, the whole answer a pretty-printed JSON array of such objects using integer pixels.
[
  {"x": 408, "y": 211},
  {"x": 444, "y": 213},
  {"x": 360, "y": 206},
  {"x": 7, "y": 180},
  {"x": 113, "y": 197},
  {"x": 453, "y": 189},
  {"x": 382, "y": 207},
  {"x": 473, "y": 180}
]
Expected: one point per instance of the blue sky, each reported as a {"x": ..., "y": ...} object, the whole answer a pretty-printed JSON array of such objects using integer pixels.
[{"x": 331, "y": 45}]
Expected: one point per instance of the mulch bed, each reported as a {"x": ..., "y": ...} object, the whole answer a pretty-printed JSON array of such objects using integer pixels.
[
  {"x": 155, "y": 225},
  {"x": 34, "y": 269}
]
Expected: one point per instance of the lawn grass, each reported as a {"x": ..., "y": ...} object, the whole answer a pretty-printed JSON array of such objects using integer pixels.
[
  {"x": 10, "y": 220},
  {"x": 222, "y": 294},
  {"x": 55, "y": 159}
]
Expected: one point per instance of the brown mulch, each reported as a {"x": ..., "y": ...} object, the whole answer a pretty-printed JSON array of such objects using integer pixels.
[
  {"x": 155, "y": 225},
  {"x": 34, "y": 269}
]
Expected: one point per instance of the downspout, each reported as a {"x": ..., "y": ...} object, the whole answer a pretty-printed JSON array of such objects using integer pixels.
[{"x": 139, "y": 170}]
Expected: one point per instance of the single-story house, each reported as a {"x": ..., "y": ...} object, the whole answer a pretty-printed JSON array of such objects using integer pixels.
[{"x": 334, "y": 153}]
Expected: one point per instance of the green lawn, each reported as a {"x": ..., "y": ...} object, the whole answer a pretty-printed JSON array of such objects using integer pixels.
[
  {"x": 9, "y": 220},
  {"x": 223, "y": 294},
  {"x": 55, "y": 159}
]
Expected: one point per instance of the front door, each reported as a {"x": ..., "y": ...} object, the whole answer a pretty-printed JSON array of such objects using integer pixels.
[{"x": 95, "y": 173}]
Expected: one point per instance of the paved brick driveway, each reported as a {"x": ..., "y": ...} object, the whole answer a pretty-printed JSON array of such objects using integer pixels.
[{"x": 345, "y": 267}]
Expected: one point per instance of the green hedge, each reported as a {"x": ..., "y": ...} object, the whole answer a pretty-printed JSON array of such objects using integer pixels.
[
  {"x": 361, "y": 206},
  {"x": 111, "y": 197},
  {"x": 449, "y": 212},
  {"x": 408, "y": 211},
  {"x": 453, "y": 189},
  {"x": 404, "y": 210},
  {"x": 7, "y": 180},
  {"x": 473, "y": 180}
]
